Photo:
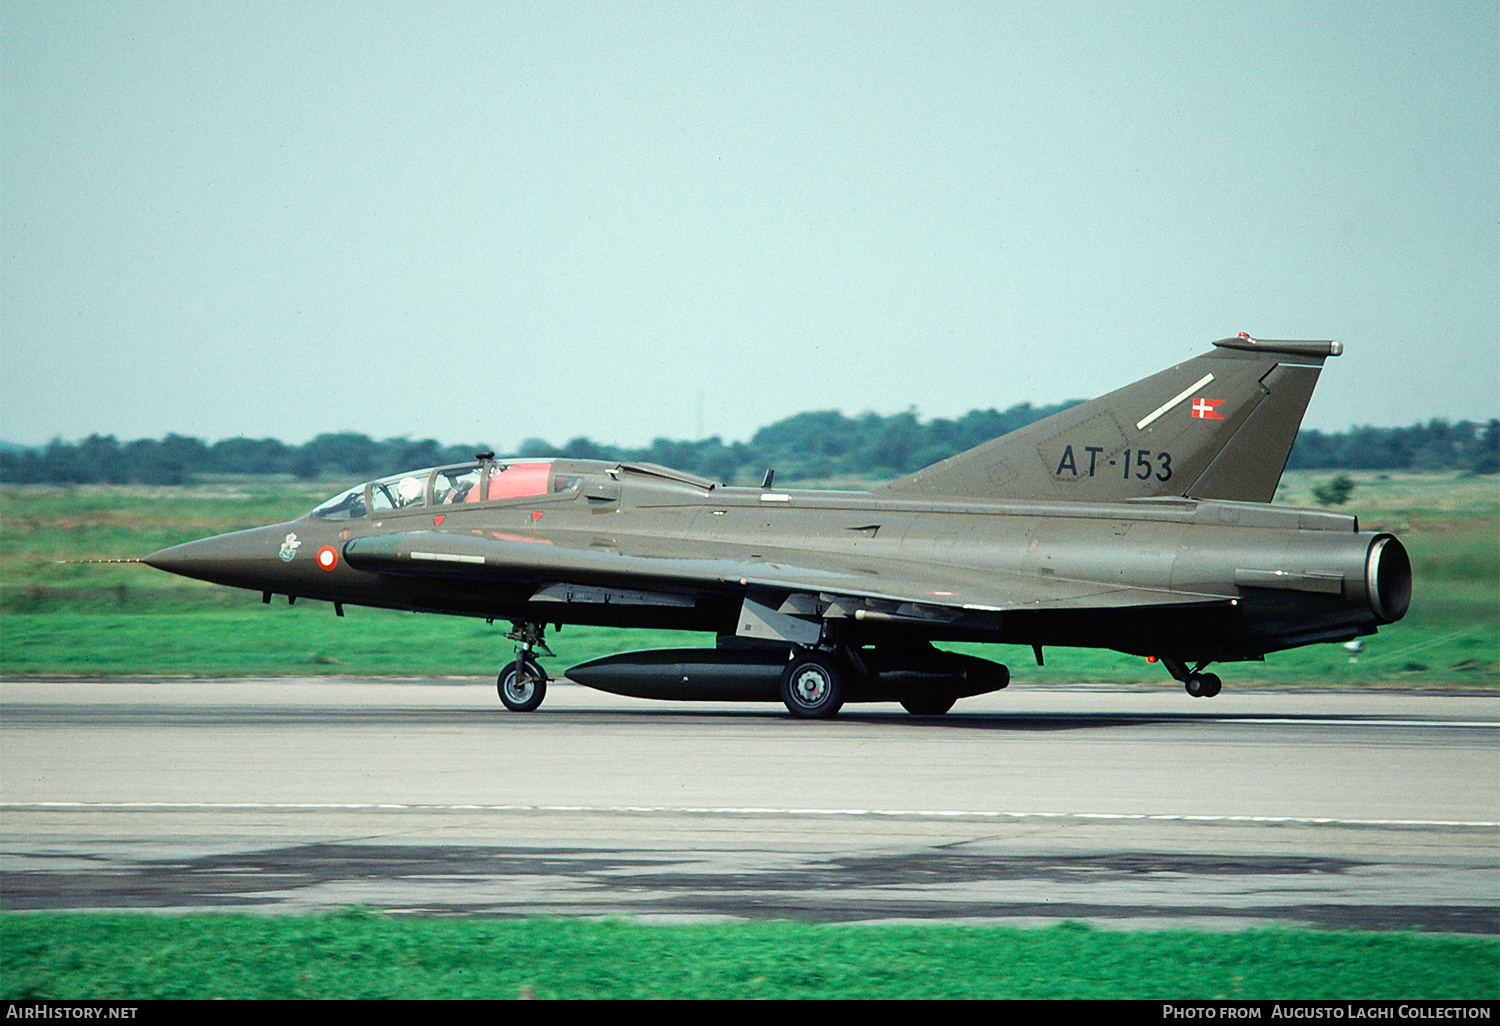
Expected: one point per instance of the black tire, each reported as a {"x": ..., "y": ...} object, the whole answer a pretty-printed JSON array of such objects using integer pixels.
[
  {"x": 1196, "y": 685},
  {"x": 931, "y": 703},
  {"x": 522, "y": 684},
  {"x": 812, "y": 686},
  {"x": 1211, "y": 685}
]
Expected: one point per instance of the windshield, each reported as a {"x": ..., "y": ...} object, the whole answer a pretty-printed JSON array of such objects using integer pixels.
[{"x": 343, "y": 506}]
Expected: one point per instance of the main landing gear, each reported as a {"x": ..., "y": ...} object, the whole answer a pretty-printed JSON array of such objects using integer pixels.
[
  {"x": 523, "y": 683},
  {"x": 812, "y": 685},
  {"x": 1194, "y": 681}
]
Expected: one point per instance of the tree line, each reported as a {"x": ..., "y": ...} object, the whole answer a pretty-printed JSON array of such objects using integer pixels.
[{"x": 816, "y": 445}]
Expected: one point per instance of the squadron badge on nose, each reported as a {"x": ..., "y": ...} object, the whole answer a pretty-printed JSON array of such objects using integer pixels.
[{"x": 289, "y": 548}]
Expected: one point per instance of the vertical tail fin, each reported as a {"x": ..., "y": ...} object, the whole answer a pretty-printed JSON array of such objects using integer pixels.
[{"x": 1219, "y": 426}]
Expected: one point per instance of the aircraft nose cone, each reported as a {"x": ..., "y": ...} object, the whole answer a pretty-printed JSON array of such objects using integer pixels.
[
  {"x": 188, "y": 559},
  {"x": 240, "y": 559}
]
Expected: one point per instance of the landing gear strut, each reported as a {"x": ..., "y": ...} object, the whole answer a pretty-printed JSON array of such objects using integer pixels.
[
  {"x": 1194, "y": 681},
  {"x": 523, "y": 683}
]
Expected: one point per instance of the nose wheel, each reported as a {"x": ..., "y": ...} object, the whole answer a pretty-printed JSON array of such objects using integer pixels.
[{"x": 523, "y": 683}]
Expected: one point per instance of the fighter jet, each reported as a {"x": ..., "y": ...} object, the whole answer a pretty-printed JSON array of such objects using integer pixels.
[{"x": 1140, "y": 522}]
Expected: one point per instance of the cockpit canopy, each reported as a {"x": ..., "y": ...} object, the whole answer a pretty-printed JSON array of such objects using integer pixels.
[{"x": 445, "y": 486}]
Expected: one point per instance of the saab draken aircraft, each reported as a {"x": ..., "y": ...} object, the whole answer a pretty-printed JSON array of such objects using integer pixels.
[{"x": 1140, "y": 522}]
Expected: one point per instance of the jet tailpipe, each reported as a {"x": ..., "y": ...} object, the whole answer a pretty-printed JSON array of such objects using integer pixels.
[{"x": 1388, "y": 578}]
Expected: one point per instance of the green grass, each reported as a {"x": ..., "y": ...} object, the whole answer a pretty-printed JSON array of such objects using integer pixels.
[
  {"x": 126, "y": 619},
  {"x": 364, "y": 955},
  {"x": 248, "y": 639}
]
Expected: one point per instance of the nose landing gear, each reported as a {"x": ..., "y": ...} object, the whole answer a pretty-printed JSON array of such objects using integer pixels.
[{"x": 523, "y": 683}]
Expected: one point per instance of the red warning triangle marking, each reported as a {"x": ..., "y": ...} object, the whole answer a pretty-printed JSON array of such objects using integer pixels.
[
  {"x": 535, "y": 516},
  {"x": 438, "y": 520}
]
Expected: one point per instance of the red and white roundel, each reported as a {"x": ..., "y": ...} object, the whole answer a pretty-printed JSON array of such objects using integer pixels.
[{"x": 328, "y": 557}]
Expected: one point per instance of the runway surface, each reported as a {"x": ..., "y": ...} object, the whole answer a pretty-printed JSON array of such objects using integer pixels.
[{"x": 1122, "y": 807}]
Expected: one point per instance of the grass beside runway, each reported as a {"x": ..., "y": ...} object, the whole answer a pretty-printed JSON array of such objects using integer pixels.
[
  {"x": 367, "y": 955},
  {"x": 127, "y": 619}
]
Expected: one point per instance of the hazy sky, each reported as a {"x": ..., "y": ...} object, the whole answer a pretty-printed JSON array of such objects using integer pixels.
[{"x": 492, "y": 221}]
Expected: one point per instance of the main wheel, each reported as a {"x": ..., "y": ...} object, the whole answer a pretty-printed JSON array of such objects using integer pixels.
[
  {"x": 522, "y": 684},
  {"x": 1211, "y": 685},
  {"x": 812, "y": 687}
]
